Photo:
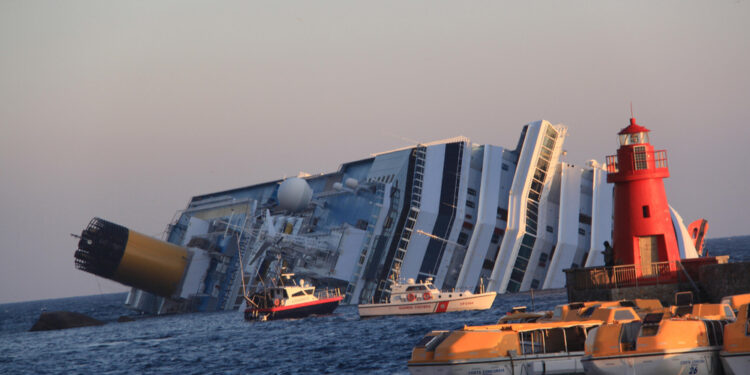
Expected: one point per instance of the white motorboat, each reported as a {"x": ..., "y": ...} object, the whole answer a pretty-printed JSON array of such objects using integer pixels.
[{"x": 412, "y": 298}]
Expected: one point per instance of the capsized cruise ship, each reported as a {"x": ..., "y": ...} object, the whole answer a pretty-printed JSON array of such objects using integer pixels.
[{"x": 454, "y": 211}]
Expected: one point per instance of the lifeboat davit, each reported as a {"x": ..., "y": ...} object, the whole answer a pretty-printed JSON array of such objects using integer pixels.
[
  {"x": 679, "y": 340},
  {"x": 550, "y": 345}
]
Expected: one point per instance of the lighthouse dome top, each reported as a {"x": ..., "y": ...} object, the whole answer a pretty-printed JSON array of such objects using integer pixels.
[{"x": 633, "y": 134}]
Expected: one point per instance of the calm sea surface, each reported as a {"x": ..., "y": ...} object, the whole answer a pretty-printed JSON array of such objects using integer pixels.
[{"x": 224, "y": 343}]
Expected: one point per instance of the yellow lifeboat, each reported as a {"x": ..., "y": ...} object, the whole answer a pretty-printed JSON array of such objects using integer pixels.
[
  {"x": 550, "y": 345},
  {"x": 678, "y": 340},
  {"x": 735, "y": 355}
]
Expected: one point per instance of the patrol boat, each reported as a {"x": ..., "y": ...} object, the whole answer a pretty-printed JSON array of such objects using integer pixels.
[
  {"x": 291, "y": 301},
  {"x": 424, "y": 298}
]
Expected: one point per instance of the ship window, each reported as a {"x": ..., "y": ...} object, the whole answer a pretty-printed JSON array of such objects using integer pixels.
[
  {"x": 495, "y": 237},
  {"x": 549, "y": 143},
  {"x": 646, "y": 211},
  {"x": 502, "y": 214},
  {"x": 584, "y": 219},
  {"x": 462, "y": 237},
  {"x": 471, "y": 191},
  {"x": 582, "y": 231},
  {"x": 415, "y": 288},
  {"x": 528, "y": 241},
  {"x": 298, "y": 294},
  {"x": 505, "y": 167},
  {"x": 550, "y": 229},
  {"x": 533, "y": 196},
  {"x": 513, "y": 286},
  {"x": 470, "y": 204},
  {"x": 540, "y": 175},
  {"x": 524, "y": 252}
]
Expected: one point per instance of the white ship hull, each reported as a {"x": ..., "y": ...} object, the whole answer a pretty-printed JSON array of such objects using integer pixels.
[
  {"x": 436, "y": 305},
  {"x": 704, "y": 361},
  {"x": 569, "y": 363},
  {"x": 735, "y": 364}
]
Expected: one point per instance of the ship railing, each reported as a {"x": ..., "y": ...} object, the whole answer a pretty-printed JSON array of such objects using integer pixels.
[{"x": 327, "y": 293}]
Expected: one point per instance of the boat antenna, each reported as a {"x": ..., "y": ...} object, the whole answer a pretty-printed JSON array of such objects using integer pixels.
[{"x": 631, "y": 109}]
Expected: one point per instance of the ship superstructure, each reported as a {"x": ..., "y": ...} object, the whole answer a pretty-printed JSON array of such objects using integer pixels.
[{"x": 456, "y": 212}]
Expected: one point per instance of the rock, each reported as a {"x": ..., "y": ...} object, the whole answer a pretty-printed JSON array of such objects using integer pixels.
[
  {"x": 54, "y": 320},
  {"x": 124, "y": 319}
]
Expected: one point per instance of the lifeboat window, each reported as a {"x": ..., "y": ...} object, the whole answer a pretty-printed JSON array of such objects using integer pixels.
[
  {"x": 298, "y": 294},
  {"x": 651, "y": 324},
  {"x": 715, "y": 331},
  {"x": 532, "y": 342},
  {"x": 587, "y": 313},
  {"x": 629, "y": 335},
  {"x": 575, "y": 338},
  {"x": 623, "y": 315},
  {"x": 554, "y": 341},
  {"x": 728, "y": 312},
  {"x": 558, "y": 312},
  {"x": 309, "y": 291},
  {"x": 415, "y": 288}
]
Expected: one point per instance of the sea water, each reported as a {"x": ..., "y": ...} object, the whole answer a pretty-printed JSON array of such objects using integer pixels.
[{"x": 224, "y": 342}]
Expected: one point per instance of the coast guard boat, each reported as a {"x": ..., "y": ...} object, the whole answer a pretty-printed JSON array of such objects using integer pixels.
[
  {"x": 291, "y": 301},
  {"x": 424, "y": 298}
]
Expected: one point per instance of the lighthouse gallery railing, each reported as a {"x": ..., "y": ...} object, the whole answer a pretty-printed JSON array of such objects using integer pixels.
[
  {"x": 627, "y": 275},
  {"x": 659, "y": 158}
]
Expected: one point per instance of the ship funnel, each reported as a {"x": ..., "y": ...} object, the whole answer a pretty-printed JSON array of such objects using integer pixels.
[{"x": 128, "y": 257}]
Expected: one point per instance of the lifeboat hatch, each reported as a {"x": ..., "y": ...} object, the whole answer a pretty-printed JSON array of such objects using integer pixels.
[{"x": 429, "y": 343}]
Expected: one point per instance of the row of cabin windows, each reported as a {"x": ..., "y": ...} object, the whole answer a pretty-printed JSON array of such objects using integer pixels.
[{"x": 383, "y": 179}]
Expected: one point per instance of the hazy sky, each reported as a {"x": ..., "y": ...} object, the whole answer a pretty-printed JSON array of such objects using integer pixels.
[{"x": 127, "y": 109}]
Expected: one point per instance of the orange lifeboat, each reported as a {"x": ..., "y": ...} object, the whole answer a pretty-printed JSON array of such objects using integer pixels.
[
  {"x": 679, "y": 340},
  {"x": 735, "y": 355},
  {"x": 552, "y": 344}
]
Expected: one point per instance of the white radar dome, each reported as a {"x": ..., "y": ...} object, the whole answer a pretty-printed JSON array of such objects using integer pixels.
[
  {"x": 351, "y": 183},
  {"x": 294, "y": 194}
]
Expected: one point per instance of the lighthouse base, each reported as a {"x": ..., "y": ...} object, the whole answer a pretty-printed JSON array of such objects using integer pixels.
[{"x": 709, "y": 279}]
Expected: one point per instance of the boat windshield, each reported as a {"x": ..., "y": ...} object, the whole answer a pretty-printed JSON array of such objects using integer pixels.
[{"x": 416, "y": 288}]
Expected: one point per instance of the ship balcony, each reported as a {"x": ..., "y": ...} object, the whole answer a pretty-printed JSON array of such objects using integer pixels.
[{"x": 636, "y": 165}]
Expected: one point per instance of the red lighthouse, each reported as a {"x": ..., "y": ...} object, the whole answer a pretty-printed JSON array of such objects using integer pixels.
[{"x": 644, "y": 235}]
